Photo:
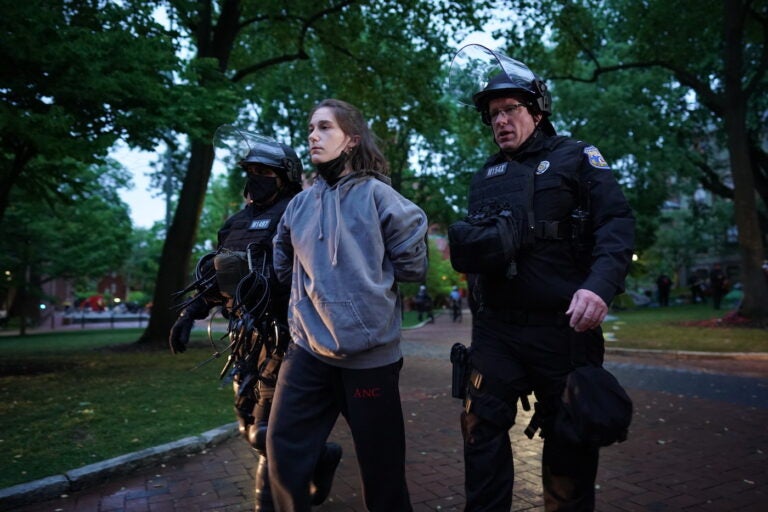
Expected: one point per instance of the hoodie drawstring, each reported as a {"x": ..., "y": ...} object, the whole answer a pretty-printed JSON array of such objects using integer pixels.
[
  {"x": 337, "y": 212},
  {"x": 337, "y": 235}
]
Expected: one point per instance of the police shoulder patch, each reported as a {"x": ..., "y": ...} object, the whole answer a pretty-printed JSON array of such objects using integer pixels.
[{"x": 595, "y": 159}]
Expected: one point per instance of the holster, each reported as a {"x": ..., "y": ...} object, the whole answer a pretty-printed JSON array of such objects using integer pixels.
[{"x": 460, "y": 370}]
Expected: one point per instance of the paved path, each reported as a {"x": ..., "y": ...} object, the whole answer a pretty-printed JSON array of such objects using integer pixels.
[{"x": 698, "y": 442}]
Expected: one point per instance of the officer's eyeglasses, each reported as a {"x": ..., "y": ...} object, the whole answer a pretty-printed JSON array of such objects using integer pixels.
[{"x": 508, "y": 110}]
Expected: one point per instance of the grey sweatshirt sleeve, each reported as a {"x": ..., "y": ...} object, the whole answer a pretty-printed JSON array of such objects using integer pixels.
[{"x": 404, "y": 227}]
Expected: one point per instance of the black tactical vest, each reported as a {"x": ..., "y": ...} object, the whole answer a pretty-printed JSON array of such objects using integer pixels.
[
  {"x": 252, "y": 226},
  {"x": 541, "y": 187},
  {"x": 244, "y": 240}
]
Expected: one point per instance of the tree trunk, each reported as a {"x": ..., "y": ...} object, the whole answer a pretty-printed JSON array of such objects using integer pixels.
[
  {"x": 214, "y": 40},
  {"x": 173, "y": 273},
  {"x": 755, "y": 303}
]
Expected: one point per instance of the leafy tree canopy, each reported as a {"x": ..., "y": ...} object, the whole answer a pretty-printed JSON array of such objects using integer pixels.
[
  {"x": 78, "y": 240},
  {"x": 75, "y": 77}
]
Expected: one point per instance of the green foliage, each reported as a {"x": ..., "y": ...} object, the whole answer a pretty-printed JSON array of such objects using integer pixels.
[
  {"x": 684, "y": 234},
  {"x": 76, "y": 77},
  {"x": 141, "y": 266},
  {"x": 75, "y": 240},
  {"x": 223, "y": 199}
]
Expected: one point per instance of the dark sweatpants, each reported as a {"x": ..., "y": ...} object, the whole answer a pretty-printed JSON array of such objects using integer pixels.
[{"x": 309, "y": 397}]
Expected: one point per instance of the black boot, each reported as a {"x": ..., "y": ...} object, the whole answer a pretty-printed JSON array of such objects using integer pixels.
[
  {"x": 324, "y": 471},
  {"x": 263, "y": 493}
]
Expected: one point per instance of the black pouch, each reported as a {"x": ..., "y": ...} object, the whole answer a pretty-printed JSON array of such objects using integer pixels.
[
  {"x": 486, "y": 245},
  {"x": 231, "y": 267},
  {"x": 595, "y": 410}
]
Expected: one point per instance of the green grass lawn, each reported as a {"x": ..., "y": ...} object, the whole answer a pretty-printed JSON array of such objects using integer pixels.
[
  {"x": 66, "y": 400},
  {"x": 686, "y": 327}
]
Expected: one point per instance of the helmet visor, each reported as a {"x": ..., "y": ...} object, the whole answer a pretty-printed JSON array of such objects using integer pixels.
[
  {"x": 241, "y": 146},
  {"x": 474, "y": 66}
]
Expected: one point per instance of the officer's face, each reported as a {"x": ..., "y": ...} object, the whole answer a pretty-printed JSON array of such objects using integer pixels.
[
  {"x": 326, "y": 138},
  {"x": 511, "y": 124}
]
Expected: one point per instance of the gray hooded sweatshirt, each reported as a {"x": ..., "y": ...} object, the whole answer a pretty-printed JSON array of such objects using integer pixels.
[{"x": 344, "y": 248}]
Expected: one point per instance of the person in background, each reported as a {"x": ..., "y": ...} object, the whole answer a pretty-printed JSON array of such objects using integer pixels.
[
  {"x": 695, "y": 285},
  {"x": 663, "y": 286},
  {"x": 717, "y": 285},
  {"x": 344, "y": 244},
  {"x": 424, "y": 304},
  {"x": 455, "y": 300}
]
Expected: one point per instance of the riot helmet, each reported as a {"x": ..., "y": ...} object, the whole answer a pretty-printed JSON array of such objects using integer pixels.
[
  {"x": 479, "y": 75},
  {"x": 279, "y": 157},
  {"x": 250, "y": 148}
]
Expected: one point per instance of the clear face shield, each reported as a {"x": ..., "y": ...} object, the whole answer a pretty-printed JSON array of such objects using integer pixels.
[
  {"x": 236, "y": 145},
  {"x": 473, "y": 67}
]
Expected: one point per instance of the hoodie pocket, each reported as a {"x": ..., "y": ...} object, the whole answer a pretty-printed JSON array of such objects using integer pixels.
[{"x": 333, "y": 328}]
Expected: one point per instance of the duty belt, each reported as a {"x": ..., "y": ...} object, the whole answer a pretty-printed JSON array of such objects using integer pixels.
[{"x": 521, "y": 317}]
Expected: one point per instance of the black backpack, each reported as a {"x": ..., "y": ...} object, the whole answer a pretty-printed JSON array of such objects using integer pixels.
[{"x": 595, "y": 410}]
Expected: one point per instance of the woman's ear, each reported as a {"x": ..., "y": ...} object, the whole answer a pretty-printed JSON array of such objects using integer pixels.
[{"x": 354, "y": 140}]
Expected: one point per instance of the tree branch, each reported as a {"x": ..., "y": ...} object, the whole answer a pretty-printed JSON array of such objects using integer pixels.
[
  {"x": 706, "y": 95},
  {"x": 711, "y": 181},
  {"x": 301, "y": 53}
]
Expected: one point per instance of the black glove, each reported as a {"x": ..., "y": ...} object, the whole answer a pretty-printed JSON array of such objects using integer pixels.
[{"x": 179, "y": 336}]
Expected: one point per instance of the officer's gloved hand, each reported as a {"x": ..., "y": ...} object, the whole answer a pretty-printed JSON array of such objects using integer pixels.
[{"x": 179, "y": 336}]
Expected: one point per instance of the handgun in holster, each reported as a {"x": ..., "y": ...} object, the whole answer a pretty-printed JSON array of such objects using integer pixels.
[{"x": 460, "y": 370}]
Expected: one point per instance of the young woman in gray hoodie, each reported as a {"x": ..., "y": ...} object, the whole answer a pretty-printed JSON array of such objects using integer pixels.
[{"x": 344, "y": 243}]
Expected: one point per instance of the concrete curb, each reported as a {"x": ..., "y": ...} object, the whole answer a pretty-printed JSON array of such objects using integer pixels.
[{"x": 93, "y": 474}]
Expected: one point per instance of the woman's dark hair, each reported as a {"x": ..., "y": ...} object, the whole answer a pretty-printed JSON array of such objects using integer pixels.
[{"x": 366, "y": 155}]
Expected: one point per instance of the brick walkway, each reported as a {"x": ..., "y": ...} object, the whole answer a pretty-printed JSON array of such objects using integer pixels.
[{"x": 684, "y": 453}]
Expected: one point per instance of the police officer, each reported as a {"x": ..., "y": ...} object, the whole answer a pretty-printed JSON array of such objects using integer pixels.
[
  {"x": 239, "y": 277},
  {"x": 539, "y": 316}
]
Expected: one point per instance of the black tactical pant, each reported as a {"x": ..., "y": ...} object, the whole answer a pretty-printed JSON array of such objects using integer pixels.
[
  {"x": 309, "y": 397},
  {"x": 510, "y": 360}
]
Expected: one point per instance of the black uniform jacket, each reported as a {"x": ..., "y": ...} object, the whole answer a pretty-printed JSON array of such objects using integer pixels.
[{"x": 550, "y": 270}]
